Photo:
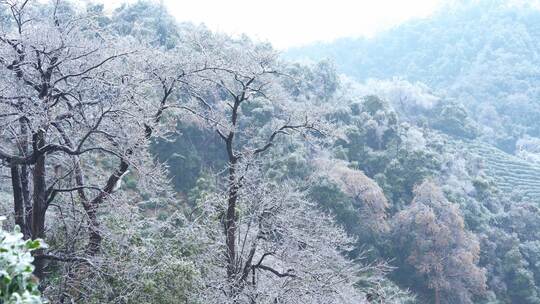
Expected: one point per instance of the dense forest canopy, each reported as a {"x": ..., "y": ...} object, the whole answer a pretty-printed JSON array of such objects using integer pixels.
[{"x": 143, "y": 160}]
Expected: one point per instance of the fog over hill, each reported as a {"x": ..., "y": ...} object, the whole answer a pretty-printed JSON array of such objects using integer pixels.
[{"x": 484, "y": 54}]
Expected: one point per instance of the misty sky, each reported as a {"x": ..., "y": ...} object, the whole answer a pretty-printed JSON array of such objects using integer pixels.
[{"x": 288, "y": 23}]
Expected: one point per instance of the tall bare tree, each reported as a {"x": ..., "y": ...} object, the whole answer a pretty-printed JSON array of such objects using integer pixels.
[
  {"x": 74, "y": 96},
  {"x": 273, "y": 245}
]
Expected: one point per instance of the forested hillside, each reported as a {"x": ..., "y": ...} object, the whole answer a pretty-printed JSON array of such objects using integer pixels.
[
  {"x": 483, "y": 53},
  {"x": 467, "y": 79},
  {"x": 144, "y": 160}
]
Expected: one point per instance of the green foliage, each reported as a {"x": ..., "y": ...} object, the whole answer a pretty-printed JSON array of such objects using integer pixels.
[
  {"x": 189, "y": 153},
  {"x": 17, "y": 283},
  {"x": 403, "y": 173},
  {"x": 147, "y": 260},
  {"x": 332, "y": 199},
  {"x": 381, "y": 148},
  {"x": 170, "y": 284},
  {"x": 453, "y": 119},
  {"x": 373, "y": 104}
]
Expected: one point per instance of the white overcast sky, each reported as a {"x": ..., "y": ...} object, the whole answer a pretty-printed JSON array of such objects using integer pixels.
[{"x": 287, "y": 23}]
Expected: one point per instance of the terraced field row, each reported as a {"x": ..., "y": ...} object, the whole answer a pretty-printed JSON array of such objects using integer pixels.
[{"x": 508, "y": 172}]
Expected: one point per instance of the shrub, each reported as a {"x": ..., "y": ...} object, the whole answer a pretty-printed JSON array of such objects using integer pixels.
[{"x": 17, "y": 283}]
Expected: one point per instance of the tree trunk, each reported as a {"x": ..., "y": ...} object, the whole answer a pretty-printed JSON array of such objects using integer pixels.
[
  {"x": 18, "y": 201},
  {"x": 39, "y": 205},
  {"x": 437, "y": 296},
  {"x": 230, "y": 223},
  {"x": 91, "y": 208},
  {"x": 25, "y": 182},
  {"x": 25, "y": 186},
  {"x": 94, "y": 239}
]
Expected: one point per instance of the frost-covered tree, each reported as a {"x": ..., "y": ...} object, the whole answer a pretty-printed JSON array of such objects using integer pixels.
[
  {"x": 146, "y": 20},
  {"x": 79, "y": 105},
  {"x": 368, "y": 197},
  {"x": 409, "y": 99},
  {"x": 267, "y": 242},
  {"x": 432, "y": 234},
  {"x": 286, "y": 250}
]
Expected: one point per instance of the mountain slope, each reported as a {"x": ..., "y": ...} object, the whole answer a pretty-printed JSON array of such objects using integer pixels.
[
  {"x": 509, "y": 173},
  {"x": 486, "y": 54}
]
